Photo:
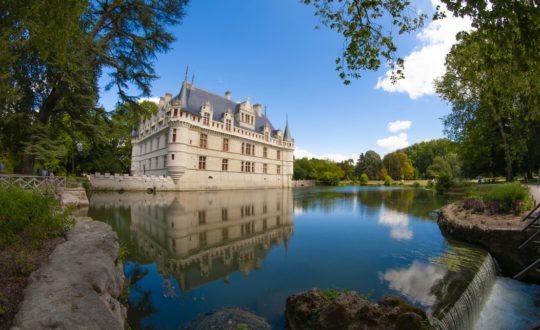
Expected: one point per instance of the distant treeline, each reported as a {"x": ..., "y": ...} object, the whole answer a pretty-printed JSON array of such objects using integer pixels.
[{"x": 424, "y": 160}]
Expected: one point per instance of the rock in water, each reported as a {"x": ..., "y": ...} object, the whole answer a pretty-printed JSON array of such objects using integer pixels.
[
  {"x": 314, "y": 309},
  {"x": 229, "y": 318}
]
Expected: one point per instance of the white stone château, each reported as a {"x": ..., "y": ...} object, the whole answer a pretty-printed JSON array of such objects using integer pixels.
[{"x": 205, "y": 141}]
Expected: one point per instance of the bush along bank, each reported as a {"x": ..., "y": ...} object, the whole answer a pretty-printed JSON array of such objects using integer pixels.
[
  {"x": 32, "y": 224},
  {"x": 69, "y": 268}
]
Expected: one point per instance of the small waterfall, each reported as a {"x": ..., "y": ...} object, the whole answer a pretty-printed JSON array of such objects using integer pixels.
[{"x": 463, "y": 313}]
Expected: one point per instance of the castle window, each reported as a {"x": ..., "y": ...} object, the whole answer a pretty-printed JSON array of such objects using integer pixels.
[
  {"x": 172, "y": 156},
  {"x": 202, "y": 217},
  {"x": 164, "y": 161},
  {"x": 175, "y": 112},
  {"x": 265, "y": 207},
  {"x": 202, "y": 162},
  {"x": 225, "y": 234},
  {"x": 278, "y": 171},
  {"x": 243, "y": 147},
  {"x": 252, "y": 167},
  {"x": 242, "y": 168},
  {"x": 206, "y": 118},
  {"x": 265, "y": 168},
  {"x": 264, "y": 224},
  {"x": 202, "y": 240},
  {"x": 253, "y": 149},
  {"x": 265, "y": 152},
  {"x": 225, "y": 144},
  {"x": 224, "y": 164},
  {"x": 224, "y": 214},
  {"x": 228, "y": 124},
  {"x": 266, "y": 136},
  {"x": 203, "y": 141},
  {"x": 278, "y": 155},
  {"x": 174, "y": 135}
]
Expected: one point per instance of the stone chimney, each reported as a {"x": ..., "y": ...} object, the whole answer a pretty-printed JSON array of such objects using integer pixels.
[
  {"x": 258, "y": 109},
  {"x": 228, "y": 95}
]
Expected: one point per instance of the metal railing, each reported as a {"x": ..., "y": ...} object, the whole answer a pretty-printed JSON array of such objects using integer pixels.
[{"x": 32, "y": 181}]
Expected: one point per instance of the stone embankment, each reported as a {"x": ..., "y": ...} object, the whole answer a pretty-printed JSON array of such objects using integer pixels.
[
  {"x": 80, "y": 285},
  {"x": 304, "y": 183},
  {"x": 500, "y": 235},
  {"x": 315, "y": 310},
  {"x": 130, "y": 183}
]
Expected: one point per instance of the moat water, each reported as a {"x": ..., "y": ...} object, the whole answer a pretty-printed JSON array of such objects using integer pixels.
[{"x": 196, "y": 252}]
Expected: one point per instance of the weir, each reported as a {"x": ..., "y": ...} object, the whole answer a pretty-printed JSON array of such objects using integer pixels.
[{"x": 463, "y": 313}]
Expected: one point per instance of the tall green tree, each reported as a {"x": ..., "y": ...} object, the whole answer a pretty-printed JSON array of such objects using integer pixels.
[
  {"x": 367, "y": 42},
  {"x": 398, "y": 165},
  {"x": 491, "y": 80},
  {"x": 369, "y": 163},
  {"x": 54, "y": 52}
]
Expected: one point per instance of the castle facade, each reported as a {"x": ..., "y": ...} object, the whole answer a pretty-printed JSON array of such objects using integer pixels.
[{"x": 204, "y": 141}]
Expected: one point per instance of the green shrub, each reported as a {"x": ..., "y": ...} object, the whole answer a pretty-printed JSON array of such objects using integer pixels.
[
  {"x": 444, "y": 183},
  {"x": 329, "y": 179},
  {"x": 416, "y": 184},
  {"x": 507, "y": 198},
  {"x": 30, "y": 214},
  {"x": 388, "y": 181},
  {"x": 364, "y": 178}
]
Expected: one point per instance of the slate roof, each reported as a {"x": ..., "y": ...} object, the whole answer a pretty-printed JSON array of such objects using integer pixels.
[{"x": 196, "y": 97}]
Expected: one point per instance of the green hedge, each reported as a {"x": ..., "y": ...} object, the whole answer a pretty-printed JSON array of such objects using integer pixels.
[{"x": 30, "y": 216}]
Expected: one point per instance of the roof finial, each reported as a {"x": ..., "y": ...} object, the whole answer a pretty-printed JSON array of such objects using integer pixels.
[
  {"x": 265, "y": 109},
  {"x": 193, "y": 78},
  {"x": 185, "y": 76}
]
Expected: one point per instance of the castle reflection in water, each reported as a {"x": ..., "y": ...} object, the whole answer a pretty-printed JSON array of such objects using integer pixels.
[{"x": 199, "y": 237}]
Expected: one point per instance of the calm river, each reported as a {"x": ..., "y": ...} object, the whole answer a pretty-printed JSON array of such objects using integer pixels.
[{"x": 196, "y": 252}]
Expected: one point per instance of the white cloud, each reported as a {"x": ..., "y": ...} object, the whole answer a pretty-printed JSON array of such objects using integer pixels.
[
  {"x": 301, "y": 153},
  {"x": 394, "y": 142},
  {"x": 399, "y": 125},
  {"x": 154, "y": 99},
  {"x": 415, "y": 282},
  {"x": 422, "y": 66}
]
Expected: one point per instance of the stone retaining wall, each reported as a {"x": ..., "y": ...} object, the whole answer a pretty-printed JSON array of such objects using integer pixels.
[
  {"x": 80, "y": 284},
  {"x": 304, "y": 183},
  {"x": 130, "y": 183},
  {"x": 501, "y": 238}
]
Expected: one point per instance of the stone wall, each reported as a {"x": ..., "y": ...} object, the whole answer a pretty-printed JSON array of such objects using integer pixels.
[
  {"x": 80, "y": 285},
  {"x": 191, "y": 180},
  {"x": 501, "y": 238},
  {"x": 130, "y": 183},
  {"x": 304, "y": 183}
]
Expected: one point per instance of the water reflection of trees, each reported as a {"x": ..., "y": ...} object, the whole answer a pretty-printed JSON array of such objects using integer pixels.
[
  {"x": 418, "y": 202},
  {"x": 142, "y": 307}
]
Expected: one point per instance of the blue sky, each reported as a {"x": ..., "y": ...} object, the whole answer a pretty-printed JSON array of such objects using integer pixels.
[{"x": 270, "y": 51}]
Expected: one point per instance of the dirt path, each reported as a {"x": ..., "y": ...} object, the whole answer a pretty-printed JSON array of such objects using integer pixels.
[{"x": 535, "y": 192}]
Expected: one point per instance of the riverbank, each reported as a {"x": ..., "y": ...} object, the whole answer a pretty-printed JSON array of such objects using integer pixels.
[
  {"x": 500, "y": 234},
  {"x": 48, "y": 267},
  {"x": 80, "y": 284}
]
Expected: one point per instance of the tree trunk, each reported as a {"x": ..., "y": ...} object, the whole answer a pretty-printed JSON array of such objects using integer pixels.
[
  {"x": 507, "y": 155},
  {"x": 27, "y": 164}
]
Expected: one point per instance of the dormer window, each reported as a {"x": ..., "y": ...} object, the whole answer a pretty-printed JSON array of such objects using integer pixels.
[
  {"x": 228, "y": 124},
  {"x": 206, "y": 118}
]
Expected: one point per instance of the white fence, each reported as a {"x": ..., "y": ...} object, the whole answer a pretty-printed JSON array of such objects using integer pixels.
[{"x": 32, "y": 181}]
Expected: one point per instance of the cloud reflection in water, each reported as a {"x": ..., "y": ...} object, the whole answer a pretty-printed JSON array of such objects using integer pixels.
[
  {"x": 398, "y": 222},
  {"x": 415, "y": 282}
]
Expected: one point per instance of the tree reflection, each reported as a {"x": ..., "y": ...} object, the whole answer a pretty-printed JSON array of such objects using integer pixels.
[{"x": 141, "y": 308}]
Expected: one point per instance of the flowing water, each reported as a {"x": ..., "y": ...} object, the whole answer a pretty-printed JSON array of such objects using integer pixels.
[{"x": 196, "y": 252}]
